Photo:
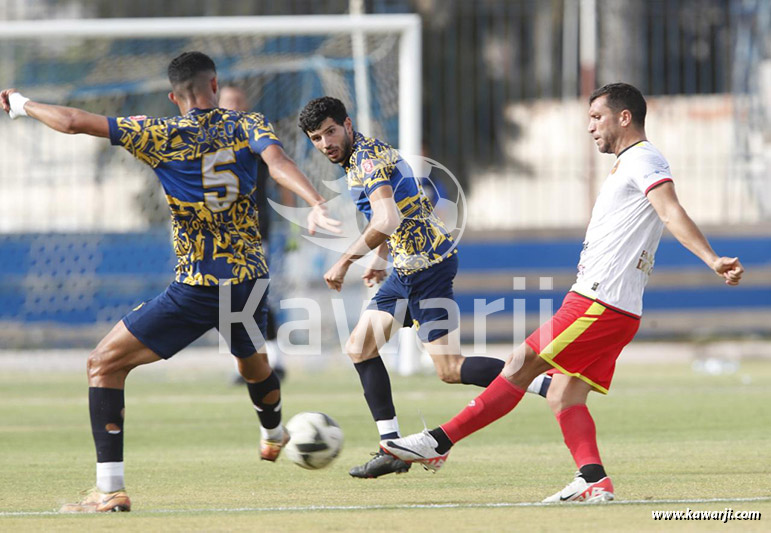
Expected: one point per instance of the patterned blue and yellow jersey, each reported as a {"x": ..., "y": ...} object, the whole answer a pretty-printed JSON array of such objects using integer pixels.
[
  {"x": 421, "y": 240},
  {"x": 207, "y": 162}
]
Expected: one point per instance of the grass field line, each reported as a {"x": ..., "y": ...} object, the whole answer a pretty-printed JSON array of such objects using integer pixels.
[{"x": 407, "y": 506}]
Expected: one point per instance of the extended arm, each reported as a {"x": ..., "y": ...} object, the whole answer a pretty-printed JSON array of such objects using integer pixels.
[
  {"x": 286, "y": 173},
  {"x": 665, "y": 202},
  {"x": 384, "y": 221},
  {"x": 60, "y": 118}
]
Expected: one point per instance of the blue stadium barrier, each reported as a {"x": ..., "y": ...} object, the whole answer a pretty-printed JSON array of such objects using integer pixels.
[
  {"x": 563, "y": 253},
  {"x": 80, "y": 279},
  {"x": 682, "y": 298}
]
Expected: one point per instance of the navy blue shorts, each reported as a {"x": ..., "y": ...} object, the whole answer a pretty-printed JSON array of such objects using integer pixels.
[
  {"x": 182, "y": 313},
  {"x": 410, "y": 289}
]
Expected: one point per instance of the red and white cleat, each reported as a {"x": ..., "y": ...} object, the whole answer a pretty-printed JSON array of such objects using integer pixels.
[
  {"x": 579, "y": 490},
  {"x": 417, "y": 448}
]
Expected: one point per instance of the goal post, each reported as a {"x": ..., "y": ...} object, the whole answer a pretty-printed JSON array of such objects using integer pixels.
[{"x": 72, "y": 199}]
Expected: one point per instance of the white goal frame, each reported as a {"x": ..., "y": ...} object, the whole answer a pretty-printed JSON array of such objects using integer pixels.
[{"x": 407, "y": 26}]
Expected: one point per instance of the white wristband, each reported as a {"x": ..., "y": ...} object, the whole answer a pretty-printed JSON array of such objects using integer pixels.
[{"x": 17, "y": 102}]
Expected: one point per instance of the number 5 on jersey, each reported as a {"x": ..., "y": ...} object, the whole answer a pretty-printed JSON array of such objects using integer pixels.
[{"x": 219, "y": 179}]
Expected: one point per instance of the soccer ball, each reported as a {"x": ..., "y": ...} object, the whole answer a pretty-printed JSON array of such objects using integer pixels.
[{"x": 315, "y": 441}]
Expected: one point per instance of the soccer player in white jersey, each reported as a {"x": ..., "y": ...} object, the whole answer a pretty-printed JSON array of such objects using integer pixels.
[{"x": 601, "y": 313}]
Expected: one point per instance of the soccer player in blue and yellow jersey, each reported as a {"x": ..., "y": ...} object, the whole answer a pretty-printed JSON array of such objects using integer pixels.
[
  {"x": 400, "y": 222},
  {"x": 206, "y": 161}
]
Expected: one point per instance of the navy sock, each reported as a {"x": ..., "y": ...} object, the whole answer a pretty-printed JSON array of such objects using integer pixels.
[
  {"x": 480, "y": 371},
  {"x": 443, "y": 441},
  {"x": 269, "y": 413},
  {"x": 377, "y": 388},
  {"x": 545, "y": 386},
  {"x": 106, "y": 409},
  {"x": 592, "y": 473}
]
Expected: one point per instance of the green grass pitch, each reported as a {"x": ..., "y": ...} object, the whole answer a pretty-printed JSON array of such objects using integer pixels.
[{"x": 666, "y": 434}]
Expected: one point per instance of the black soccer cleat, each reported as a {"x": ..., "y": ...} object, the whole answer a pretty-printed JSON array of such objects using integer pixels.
[{"x": 380, "y": 465}]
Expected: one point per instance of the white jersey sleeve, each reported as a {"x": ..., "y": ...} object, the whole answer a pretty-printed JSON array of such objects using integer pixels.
[
  {"x": 624, "y": 231},
  {"x": 650, "y": 170}
]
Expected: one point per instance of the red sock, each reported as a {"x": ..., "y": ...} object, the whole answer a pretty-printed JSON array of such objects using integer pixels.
[
  {"x": 580, "y": 435},
  {"x": 496, "y": 400}
]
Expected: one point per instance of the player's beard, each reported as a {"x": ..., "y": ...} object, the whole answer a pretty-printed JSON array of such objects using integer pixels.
[
  {"x": 345, "y": 149},
  {"x": 603, "y": 146}
]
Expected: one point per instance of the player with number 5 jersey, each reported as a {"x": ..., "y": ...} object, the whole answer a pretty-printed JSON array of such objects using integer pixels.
[{"x": 207, "y": 162}]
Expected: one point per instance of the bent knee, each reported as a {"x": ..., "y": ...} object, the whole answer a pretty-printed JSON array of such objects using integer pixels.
[
  {"x": 448, "y": 376},
  {"x": 358, "y": 350},
  {"x": 98, "y": 362},
  {"x": 449, "y": 369},
  {"x": 555, "y": 401},
  {"x": 104, "y": 361},
  {"x": 560, "y": 399},
  {"x": 254, "y": 368}
]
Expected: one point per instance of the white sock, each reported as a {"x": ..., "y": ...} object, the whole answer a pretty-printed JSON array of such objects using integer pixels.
[
  {"x": 388, "y": 427},
  {"x": 275, "y": 435},
  {"x": 109, "y": 477}
]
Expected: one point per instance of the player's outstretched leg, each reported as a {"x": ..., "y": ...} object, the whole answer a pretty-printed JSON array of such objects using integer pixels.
[
  {"x": 481, "y": 371},
  {"x": 377, "y": 391},
  {"x": 431, "y": 448},
  {"x": 108, "y": 366},
  {"x": 567, "y": 398},
  {"x": 372, "y": 331},
  {"x": 265, "y": 392},
  {"x": 452, "y": 367}
]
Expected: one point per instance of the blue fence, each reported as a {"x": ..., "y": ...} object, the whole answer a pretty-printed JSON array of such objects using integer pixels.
[
  {"x": 683, "y": 297},
  {"x": 80, "y": 279},
  {"x": 71, "y": 280}
]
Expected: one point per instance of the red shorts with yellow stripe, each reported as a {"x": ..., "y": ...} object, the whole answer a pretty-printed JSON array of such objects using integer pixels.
[{"x": 583, "y": 339}]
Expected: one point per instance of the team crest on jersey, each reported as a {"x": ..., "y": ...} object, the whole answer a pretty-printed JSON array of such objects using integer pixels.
[
  {"x": 368, "y": 166},
  {"x": 615, "y": 167}
]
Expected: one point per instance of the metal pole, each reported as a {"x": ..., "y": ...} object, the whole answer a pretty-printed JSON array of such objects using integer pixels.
[
  {"x": 588, "y": 55},
  {"x": 360, "y": 72}
]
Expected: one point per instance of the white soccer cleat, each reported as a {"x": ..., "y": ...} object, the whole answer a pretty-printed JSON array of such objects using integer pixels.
[
  {"x": 579, "y": 490},
  {"x": 416, "y": 448},
  {"x": 96, "y": 501}
]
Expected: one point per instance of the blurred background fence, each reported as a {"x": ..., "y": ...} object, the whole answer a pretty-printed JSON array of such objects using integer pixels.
[{"x": 504, "y": 88}]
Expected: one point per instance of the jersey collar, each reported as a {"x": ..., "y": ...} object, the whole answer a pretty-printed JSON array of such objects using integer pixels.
[{"x": 630, "y": 146}]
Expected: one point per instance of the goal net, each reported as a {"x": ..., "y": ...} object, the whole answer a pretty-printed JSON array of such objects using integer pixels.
[
  {"x": 118, "y": 68},
  {"x": 77, "y": 215}
]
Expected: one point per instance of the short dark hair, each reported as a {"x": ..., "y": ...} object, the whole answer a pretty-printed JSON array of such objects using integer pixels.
[
  {"x": 188, "y": 65},
  {"x": 622, "y": 96},
  {"x": 317, "y": 111}
]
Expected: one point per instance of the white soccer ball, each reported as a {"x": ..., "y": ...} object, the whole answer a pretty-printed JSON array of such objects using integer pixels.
[{"x": 315, "y": 441}]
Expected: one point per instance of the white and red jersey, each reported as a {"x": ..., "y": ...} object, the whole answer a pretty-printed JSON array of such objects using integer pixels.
[{"x": 624, "y": 231}]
